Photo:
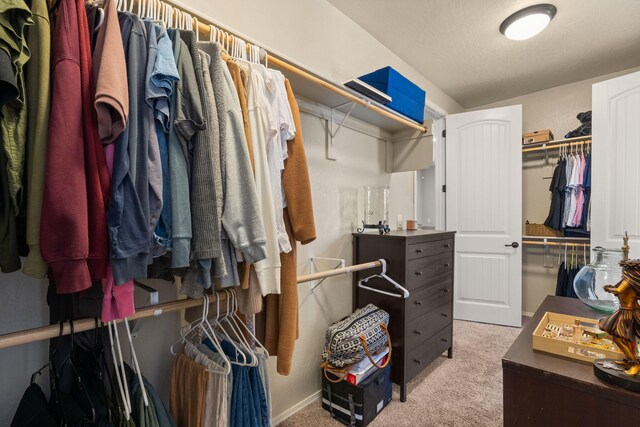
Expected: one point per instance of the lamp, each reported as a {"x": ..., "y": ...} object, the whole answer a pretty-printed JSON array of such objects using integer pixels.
[{"x": 528, "y": 22}]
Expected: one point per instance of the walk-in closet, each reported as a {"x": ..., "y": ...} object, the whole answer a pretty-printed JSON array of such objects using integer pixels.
[{"x": 319, "y": 213}]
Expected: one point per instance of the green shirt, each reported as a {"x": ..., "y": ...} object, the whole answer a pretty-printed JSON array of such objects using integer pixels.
[{"x": 15, "y": 16}]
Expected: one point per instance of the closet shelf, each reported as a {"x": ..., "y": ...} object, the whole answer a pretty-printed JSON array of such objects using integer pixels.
[
  {"x": 320, "y": 90},
  {"x": 332, "y": 95},
  {"x": 550, "y": 145}
]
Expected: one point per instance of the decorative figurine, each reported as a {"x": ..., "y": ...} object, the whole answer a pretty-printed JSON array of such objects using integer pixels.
[{"x": 624, "y": 327}]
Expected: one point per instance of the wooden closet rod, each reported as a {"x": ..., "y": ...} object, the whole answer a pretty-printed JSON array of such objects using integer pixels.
[
  {"x": 52, "y": 331},
  {"x": 204, "y": 29},
  {"x": 552, "y": 146}
]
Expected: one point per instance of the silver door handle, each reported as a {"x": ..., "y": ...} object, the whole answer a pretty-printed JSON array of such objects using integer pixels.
[{"x": 513, "y": 245}]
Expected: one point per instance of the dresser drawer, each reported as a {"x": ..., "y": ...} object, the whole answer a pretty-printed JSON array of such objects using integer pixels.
[
  {"x": 427, "y": 298},
  {"x": 420, "y": 357},
  {"x": 421, "y": 250},
  {"x": 426, "y": 270},
  {"x": 422, "y": 328}
]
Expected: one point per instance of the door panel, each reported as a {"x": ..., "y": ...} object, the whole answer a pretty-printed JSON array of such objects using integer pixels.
[
  {"x": 616, "y": 175},
  {"x": 484, "y": 206}
]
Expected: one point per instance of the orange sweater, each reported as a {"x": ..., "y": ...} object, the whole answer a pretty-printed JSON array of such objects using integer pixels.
[{"x": 281, "y": 312}]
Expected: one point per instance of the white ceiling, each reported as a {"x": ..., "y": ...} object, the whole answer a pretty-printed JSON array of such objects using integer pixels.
[{"x": 457, "y": 45}]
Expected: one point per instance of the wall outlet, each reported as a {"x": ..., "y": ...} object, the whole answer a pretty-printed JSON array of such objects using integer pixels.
[
  {"x": 428, "y": 220},
  {"x": 400, "y": 222}
]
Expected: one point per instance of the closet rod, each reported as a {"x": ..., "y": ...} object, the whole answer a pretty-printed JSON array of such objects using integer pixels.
[
  {"x": 204, "y": 29},
  {"x": 552, "y": 146},
  {"x": 541, "y": 243},
  {"x": 52, "y": 331}
]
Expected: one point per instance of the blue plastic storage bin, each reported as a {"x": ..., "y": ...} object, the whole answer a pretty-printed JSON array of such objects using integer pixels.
[{"x": 408, "y": 98}]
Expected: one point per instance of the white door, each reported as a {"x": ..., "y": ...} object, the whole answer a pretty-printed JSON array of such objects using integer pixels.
[
  {"x": 484, "y": 207},
  {"x": 615, "y": 179}
]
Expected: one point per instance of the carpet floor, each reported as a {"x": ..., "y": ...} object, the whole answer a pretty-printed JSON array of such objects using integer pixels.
[{"x": 463, "y": 391}]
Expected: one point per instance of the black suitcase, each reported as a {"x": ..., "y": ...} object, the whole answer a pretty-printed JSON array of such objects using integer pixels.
[{"x": 357, "y": 405}]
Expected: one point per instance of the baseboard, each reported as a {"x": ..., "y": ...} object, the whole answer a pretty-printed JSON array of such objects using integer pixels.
[
  {"x": 295, "y": 408},
  {"x": 526, "y": 313}
]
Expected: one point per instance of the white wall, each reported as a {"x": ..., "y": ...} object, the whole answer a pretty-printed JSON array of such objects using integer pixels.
[{"x": 554, "y": 109}]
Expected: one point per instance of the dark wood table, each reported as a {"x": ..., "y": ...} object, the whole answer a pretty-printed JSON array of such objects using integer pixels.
[{"x": 541, "y": 389}]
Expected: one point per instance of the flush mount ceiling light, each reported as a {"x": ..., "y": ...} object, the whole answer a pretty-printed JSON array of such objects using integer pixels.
[{"x": 528, "y": 22}]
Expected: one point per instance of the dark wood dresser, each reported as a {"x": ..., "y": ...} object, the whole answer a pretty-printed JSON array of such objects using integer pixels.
[
  {"x": 420, "y": 326},
  {"x": 542, "y": 389}
]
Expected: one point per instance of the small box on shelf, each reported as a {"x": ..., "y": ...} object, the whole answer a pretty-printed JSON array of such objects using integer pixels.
[{"x": 538, "y": 136}]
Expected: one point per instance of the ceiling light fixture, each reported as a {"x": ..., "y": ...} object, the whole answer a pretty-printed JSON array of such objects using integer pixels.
[{"x": 528, "y": 22}]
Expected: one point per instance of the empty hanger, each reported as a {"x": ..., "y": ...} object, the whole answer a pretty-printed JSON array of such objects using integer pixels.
[{"x": 383, "y": 274}]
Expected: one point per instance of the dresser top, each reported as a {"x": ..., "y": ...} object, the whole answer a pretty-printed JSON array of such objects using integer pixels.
[{"x": 402, "y": 234}]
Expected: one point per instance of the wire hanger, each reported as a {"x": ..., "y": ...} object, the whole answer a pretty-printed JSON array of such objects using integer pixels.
[{"x": 383, "y": 274}]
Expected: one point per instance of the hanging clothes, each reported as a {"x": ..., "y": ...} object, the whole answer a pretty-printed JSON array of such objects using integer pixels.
[
  {"x": 281, "y": 316},
  {"x": 38, "y": 85},
  {"x": 189, "y": 119},
  {"x": 163, "y": 80},
  {"x": 33, "y": 409},
  {"x": 188, "y": 391},
  {"x": 129, "y": 207},
  {"x": 266, "y": 272},
  {"x": 561, "y": 280},
  {"x": 15, "y": 18},
  {"x": 557, "y": 188},
  {"x": 76, "y": 170},
  {"x": 206, "y": 181}
]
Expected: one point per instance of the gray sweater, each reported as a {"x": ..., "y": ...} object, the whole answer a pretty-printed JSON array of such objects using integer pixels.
[{"x": 241, "y": 218}]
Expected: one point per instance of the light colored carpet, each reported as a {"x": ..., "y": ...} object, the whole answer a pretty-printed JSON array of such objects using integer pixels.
[{"x": 463, "y": 391}]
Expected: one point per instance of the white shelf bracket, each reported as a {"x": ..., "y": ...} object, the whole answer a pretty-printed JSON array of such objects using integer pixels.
[
  {"x": 341, "y": 264},
  {"x": 331, "y": 154}
]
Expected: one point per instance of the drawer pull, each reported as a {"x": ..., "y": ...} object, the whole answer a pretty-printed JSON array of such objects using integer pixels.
[
  {"x": 445, "y": 290},
  {"x": 444, "y": 340},
  {"x": 447, "y": 245},
  {"x": 417, "y": 332},
  {"x": 418, "y": 273},
  {"x": 444, "y": 315},
  {"x": 447, "y": 264},
  {"x": 418, "y": 251},
  {"x": 417, "y": 302},
  {"x": 417, "y": 361}
]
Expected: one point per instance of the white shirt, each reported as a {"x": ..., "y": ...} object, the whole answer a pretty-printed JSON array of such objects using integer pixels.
[
  {"x": 574, "y": 181},
  {"x": 262, "y": 134},
  {"x": 274, "y": 153}
]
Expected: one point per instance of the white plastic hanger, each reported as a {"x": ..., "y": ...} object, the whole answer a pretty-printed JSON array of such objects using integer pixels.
[
  {"x": 235, "y": 328},
  {"x": 226, "y": 337},
  {"x": 213, "y": 338},
  {"x": 100, "y": 19},
  {"x": 196, "y": 27},
  {"x": 123, "y": 396},
  {"x": 202, "y": 325},
  {"x": 383, "y": 274},
  {"x": 135, "y": 364},
  {"x": 235, "y": 313},
  {"x": 119, "y": 364}
]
